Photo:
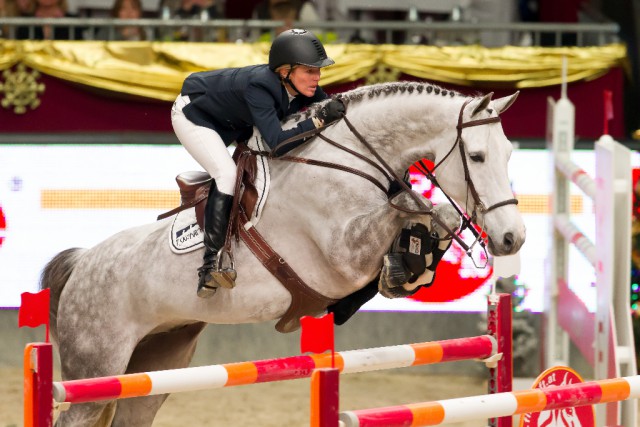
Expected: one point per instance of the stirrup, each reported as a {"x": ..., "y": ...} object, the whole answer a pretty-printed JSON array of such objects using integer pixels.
[{"x": 224, "y": 276}]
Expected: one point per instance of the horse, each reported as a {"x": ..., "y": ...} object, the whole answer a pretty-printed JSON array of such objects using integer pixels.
[{"x": 129, "y": 303}]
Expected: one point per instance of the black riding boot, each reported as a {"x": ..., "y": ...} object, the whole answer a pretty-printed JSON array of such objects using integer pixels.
[{"x": 216, "y": 219}]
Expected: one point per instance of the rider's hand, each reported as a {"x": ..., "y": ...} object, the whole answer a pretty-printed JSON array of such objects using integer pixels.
[{"x": 330, "y": 112}]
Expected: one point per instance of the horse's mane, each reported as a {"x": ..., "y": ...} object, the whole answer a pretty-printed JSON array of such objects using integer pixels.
[{"x": 375, "y": 91}]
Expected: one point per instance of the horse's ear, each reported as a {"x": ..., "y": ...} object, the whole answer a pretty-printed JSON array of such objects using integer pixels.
[
  {"x": 502, "y": 104},
  {"x": 482, "y": 104}
]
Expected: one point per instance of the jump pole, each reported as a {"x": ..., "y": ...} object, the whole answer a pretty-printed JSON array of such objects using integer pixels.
[
  {"x": 41, "y": 391},
  {"x": 325, "y": 382},
  {"x": 496, "y": 405},
  {"x": 288, "y": 368}
]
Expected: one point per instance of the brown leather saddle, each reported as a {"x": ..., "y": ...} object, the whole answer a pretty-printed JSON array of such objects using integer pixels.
[{"x": 194, "y": 189}]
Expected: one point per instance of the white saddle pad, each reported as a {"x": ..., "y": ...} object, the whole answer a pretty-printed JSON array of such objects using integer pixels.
[{"x": 185, "y": 234}]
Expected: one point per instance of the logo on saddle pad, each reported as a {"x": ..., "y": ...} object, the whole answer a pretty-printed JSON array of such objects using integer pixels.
[{"x": 185, "y": 234}]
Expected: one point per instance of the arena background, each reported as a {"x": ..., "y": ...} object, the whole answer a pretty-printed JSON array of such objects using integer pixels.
[{"x": 102, "y": 107}]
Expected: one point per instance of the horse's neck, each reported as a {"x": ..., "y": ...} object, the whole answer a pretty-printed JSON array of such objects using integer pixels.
[{"x": 400, "y": 129}]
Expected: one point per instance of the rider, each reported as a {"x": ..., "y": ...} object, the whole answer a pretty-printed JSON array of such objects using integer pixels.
[{"x": 216, "y": 108}]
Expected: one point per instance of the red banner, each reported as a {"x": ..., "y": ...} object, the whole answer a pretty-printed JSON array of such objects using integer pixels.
[
  {"x": 317, "y": 334},
  {"x": 34, "y": 310}
]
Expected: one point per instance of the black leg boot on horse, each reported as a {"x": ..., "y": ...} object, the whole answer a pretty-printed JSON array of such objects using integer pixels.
[{"x": 212, "y": 275}]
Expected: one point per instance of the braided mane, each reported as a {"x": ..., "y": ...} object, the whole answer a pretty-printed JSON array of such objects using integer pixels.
[{"x": 376, "y": 91}]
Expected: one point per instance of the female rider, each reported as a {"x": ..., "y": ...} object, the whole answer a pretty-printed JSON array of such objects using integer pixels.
[{"x": 216, "y": 108}]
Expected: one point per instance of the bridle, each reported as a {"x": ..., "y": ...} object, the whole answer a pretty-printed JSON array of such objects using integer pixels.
[
  {"x": 393, "y": 178},
  {"x": 478, "y": 204}
]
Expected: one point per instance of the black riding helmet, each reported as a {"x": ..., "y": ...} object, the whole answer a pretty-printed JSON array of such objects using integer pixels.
[{"x": 298, "y": 47}]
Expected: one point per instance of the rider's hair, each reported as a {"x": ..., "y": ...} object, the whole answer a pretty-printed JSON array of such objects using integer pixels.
[{"x": 286, "y": 67}]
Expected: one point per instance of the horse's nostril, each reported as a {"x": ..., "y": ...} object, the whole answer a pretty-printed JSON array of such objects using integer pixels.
[{"x": 508, "y": 240}]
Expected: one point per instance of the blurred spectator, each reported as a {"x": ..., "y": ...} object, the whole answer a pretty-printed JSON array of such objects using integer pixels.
[
  {"x": 125, "y": 9},
  {"x": 559, "y": 12},
  {"x": 199, "y": 9},
  {"x": 330, "y": 10},
  {"x": 492, "y": 11},
  {"x": 528, "y": 10},
  {"x": 8, "y": 9},
  {"x": 48, "y": 9},
  {"x": 234, "y": 9},
  {"x": 168, "y": 8},
  {"x": 25, "y": 7},
  {"x": 288, "y": 11},
  {"x": 203, "y": 10}
]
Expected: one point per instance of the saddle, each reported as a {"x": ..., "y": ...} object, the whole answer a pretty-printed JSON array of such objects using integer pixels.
[{"x": 194, "y": 189}]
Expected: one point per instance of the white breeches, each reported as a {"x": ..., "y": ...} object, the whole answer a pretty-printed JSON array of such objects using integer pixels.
[{"x": 205, "y": 146}]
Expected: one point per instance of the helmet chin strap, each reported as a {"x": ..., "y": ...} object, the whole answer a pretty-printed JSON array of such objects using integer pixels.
[{"x": 289, "y": 82}]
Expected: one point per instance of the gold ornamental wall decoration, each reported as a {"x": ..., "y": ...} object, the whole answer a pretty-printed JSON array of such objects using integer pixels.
[{"x": 21, "y": 89}]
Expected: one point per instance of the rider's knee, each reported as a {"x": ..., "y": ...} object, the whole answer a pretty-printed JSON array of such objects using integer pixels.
[{"x": 226, "y": 182}]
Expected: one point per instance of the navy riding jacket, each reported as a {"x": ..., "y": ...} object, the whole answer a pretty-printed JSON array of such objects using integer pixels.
[{"x": 233, "y": 100}]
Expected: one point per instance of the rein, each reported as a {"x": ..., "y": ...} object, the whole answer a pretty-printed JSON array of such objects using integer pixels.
[{"x": 386, "y": 170}]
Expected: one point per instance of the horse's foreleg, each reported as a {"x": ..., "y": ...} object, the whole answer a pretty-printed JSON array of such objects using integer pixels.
[
  {"x": 394, "y": 284},
  {"x": 368, "y": 237},
  {"x": 349, "y": 305}
]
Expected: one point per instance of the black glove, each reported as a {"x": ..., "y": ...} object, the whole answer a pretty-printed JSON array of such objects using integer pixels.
[{"x": 331, "y": 111}]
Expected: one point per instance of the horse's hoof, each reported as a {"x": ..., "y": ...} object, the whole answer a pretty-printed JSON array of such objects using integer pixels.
[
  {"x": 205, "y": 291},
  {"x": 394, "y": 271},
  {"x": 225, "y": 278},
  {"x": 392, "y": 293}
]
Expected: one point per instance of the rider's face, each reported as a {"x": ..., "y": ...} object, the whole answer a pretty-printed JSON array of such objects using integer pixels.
[{"x": 305, "y": 79}]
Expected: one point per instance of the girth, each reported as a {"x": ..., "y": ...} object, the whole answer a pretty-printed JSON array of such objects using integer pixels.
[{"x": 305, "y": 301}]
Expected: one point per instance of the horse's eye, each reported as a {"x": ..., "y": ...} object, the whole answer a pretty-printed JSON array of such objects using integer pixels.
[{"x": 476, "y": 157}]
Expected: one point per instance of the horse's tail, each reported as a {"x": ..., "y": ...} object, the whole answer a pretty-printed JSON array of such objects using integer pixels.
[{"x": 55, "y": 275}]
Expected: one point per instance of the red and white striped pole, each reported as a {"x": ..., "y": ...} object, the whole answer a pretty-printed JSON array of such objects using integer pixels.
[
  {"x": 500, "y": 365},
  {"x": 503, "y": 405},
  {"x": 286, "y": 368}
]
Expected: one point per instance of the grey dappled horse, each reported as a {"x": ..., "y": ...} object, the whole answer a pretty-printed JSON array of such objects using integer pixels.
[{"x": 129, "y": 304}]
